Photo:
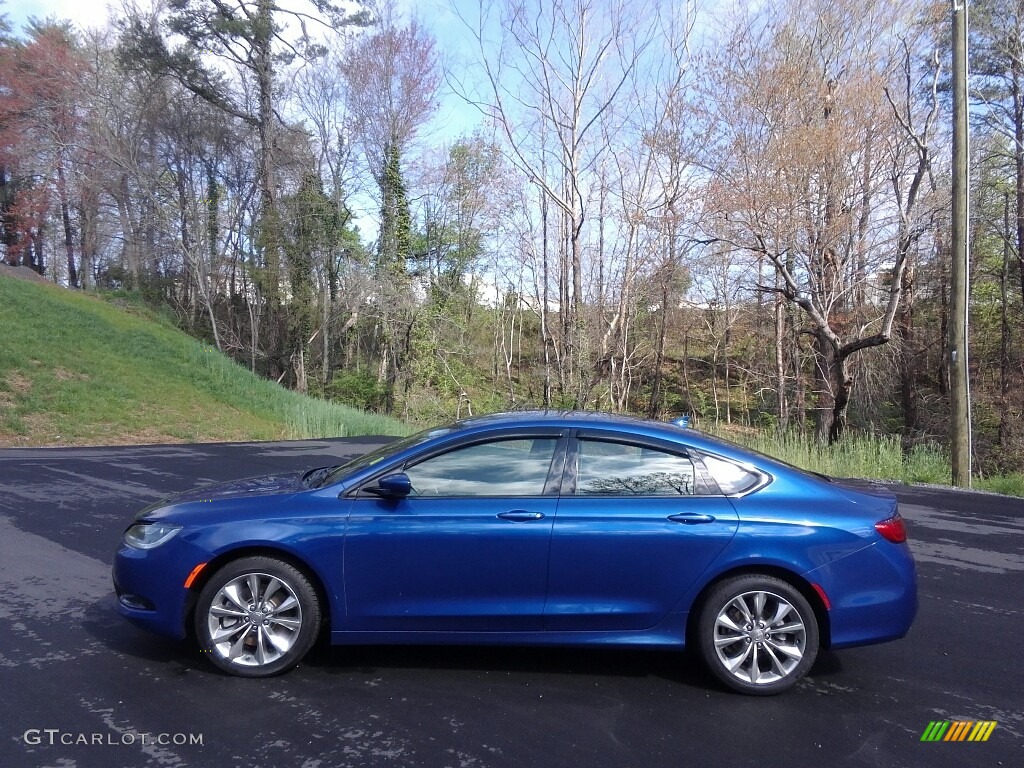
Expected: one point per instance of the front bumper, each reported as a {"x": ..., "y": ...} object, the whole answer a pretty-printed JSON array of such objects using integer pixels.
[{"x": 150, "y": 586}]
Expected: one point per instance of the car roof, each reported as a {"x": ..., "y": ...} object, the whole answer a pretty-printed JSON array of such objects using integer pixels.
[
  {"x": 584, "y": 419},
  {"x": 627, "y": 425}
]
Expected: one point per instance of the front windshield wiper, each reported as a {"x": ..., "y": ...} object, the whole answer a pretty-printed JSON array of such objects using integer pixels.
[{"x": 312, "y": 478}]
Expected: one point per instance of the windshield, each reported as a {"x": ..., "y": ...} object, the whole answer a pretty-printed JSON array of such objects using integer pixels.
[{"x": 380, "y": 454}]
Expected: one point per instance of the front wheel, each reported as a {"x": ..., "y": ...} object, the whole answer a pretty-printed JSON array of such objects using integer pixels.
[
  {"x": 257, "y": 617},
  {"x": 757, "y": 634}
]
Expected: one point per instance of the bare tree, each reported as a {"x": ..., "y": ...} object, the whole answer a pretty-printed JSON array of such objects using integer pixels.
[
  {"x": 797, "y": 111},
  {"x": 556, "y": 71}
]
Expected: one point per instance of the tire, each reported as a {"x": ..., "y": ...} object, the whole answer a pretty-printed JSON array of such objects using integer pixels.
[
  {"x": 757, "y": 634},
  {"x": 257, "y": 617}
]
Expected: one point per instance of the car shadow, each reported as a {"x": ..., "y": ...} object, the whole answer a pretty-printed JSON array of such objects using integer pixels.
[
  {"x": 106, "y": 626},
  {"x": 675, "y": 666}
]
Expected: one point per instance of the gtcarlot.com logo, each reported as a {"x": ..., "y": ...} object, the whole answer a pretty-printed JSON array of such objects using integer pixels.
[
  {"x": 958, "y": 730},
  {"x": 54, "y": 736}
]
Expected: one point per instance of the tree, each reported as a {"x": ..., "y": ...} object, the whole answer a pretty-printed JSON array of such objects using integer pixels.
[
  {"x": 997, "y": 67},
  {"x": 40, "y": 118},
  {"x": 554, "y": 73},
  {"x": 392, "y": 76},
  {"x": 251, "y": 37},
  {"x": 800, "y": 173}
]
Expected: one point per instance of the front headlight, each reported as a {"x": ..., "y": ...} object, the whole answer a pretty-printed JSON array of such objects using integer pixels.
[{"x": 149, "y": 535}]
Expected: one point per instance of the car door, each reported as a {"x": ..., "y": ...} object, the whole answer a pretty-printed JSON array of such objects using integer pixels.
[
  {"x": 467, "y": 550},
  {"x": 637, "y": 524}
]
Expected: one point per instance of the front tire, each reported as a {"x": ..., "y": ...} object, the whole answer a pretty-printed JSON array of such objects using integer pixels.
[
  {"x": 757, "y": 634},
  {"x": 257, "y": 617}
]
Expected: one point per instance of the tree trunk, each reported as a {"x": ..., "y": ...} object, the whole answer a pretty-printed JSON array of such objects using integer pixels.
[
  {"x": 782, "y": 405},
  {"x": 908, "y": 360},
  {"x": 842, "y": 386},
  {"x": 1018, "y": 156},
  {"x": 65, "y": 215}
]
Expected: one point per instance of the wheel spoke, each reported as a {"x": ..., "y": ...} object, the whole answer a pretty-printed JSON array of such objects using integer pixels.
[
  {"x": 734, "y": 663},
  {"x": 741, "y": 606},
  {"x": 232, "y": 594},
  {"x": 292, "y": 624},
  {"x": 239, "y": 645},
  {"x": 282, "y": 644},
  {"x": 261, "y": 649},
  {"x": 225, "y": 633},
  {"x": 759, "y": 600},
  {"x": 791, "y": 651},
  {"x": 226, "y": 612},
  {"x": 254, "y": 588},
  {"x": 270, "y": 591},
  {"x": 796, "y": 626},
  {"x": 286, "y": 605},
  {"x": 781, "y": 671},
  {"x": 755, "y": 670},
  {"x": 725, "y": 621},
  {"x": 721, "y": 642},
  {"x": 781, "y": 611}
]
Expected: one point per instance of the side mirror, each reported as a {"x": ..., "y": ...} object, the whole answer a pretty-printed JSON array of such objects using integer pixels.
[{"x": 395, "y": 486}]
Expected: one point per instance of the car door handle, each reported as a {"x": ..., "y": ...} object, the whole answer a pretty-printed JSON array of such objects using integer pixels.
[
  {"x": 520, "y": 515},
  {"x": 691, "y": 518}
]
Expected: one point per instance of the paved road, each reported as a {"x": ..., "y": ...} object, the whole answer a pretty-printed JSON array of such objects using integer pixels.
[{"x": 72, "y": 670}]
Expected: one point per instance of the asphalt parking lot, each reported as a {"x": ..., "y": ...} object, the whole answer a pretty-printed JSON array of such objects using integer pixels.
[{"x": 81, "y": 687}]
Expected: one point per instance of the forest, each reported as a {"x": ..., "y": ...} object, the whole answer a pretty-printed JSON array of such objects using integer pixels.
[{"x": 736, "y": 211}]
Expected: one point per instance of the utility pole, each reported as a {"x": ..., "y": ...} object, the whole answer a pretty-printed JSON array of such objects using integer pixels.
[{"x": 959, "y": 390}]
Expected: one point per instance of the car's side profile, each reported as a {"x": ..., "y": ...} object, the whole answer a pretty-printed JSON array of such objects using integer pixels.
[{"x": 529, "y": 528}]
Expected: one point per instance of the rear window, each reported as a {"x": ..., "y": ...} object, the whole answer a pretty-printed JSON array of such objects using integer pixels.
[{"x": 731, "y": 478}]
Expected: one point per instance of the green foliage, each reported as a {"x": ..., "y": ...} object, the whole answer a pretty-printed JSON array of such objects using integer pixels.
[
  {"x": 1008, "y": 485},
  {"x": 85, "y": 371},
  {"x": 315, "y": 234},
  {"x": 394, "y": 248},
  {"x": 857, "y": 455},
  {"x": 358, "y": 389}
]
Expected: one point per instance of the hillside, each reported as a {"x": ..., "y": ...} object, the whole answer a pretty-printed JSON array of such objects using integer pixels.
[{"x": 77, "y": 370}]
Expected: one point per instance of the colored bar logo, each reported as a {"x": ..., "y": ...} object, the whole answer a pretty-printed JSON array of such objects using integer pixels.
[{"x": 958, "y": 730}]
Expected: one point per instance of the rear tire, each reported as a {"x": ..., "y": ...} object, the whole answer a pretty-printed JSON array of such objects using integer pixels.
[
  {"x": 257, "y": 617},
  {"x": 757, "y": 634}
]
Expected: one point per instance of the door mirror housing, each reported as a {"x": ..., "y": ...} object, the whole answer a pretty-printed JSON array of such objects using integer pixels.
[{"x": 395, "y": 486}]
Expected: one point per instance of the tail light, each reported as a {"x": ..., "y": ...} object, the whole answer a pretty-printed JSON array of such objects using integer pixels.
[{"x": 893, "y": 529}]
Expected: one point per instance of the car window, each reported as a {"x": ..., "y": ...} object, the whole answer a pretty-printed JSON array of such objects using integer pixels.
[
  {"x": 731, "y": 478},
  {"x": 380, "y": 454},
  {"x": 498, "y": 468},
  {"x": 609, "y": 468}
]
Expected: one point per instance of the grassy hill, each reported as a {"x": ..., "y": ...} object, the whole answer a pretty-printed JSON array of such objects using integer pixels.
[{"x": 77, "y": 370}]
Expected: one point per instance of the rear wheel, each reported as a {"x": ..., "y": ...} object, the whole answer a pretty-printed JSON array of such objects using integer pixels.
[
  {"x": 757, "y": 634},
  {"x": 256, "y": 617}
]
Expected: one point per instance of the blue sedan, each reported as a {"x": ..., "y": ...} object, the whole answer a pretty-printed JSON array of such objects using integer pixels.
[{"x": 529, "y": 528}]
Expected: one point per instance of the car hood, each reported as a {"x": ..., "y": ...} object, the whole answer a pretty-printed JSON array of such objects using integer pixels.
[{"x": 269, "y": 485}]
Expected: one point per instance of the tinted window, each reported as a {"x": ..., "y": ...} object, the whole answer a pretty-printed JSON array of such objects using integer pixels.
[
  {"x": 498, "y": 468},
  {"x": 730, "y": 477},
  {"x": 617, "y": 469},
  {"x": 385, "y": 451}
]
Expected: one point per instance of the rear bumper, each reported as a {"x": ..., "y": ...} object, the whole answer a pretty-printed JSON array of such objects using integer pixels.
[{"x": 873, "y": 594}]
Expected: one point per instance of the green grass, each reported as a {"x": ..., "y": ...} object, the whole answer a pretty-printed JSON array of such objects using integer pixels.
[
  {"x": 855, "y": 456},
  {"x": 867, "y": 456},
  {"x": 1008, "y": 485},
  {"x": 76, "y": 370}
]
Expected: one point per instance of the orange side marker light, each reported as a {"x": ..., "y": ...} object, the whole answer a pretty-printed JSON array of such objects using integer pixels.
[{"x": 192, "y": 576}]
